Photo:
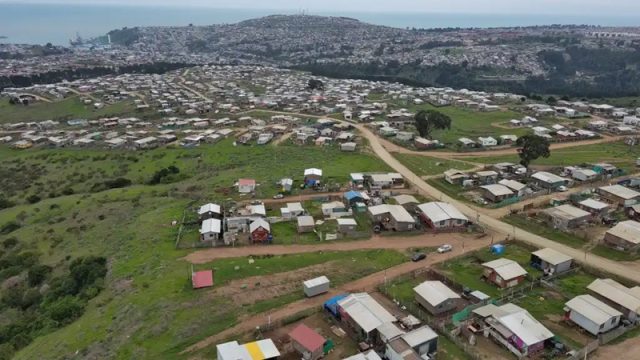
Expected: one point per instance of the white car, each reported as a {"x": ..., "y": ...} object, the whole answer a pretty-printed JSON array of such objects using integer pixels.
[{"x": 445, "y": 248}]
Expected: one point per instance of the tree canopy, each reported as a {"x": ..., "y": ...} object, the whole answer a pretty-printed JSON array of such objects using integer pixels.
[
  {"x": 429, "y": 120},
  {"x": 532, "y": 147}
]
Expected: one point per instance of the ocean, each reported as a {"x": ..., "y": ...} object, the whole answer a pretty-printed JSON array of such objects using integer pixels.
[{"x": 39, "y": 24}]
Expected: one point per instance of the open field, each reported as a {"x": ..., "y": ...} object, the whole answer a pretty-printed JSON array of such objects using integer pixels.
[
  {"x": 617, "y": 153},
  {"x": 428, "y": 166},
  {"x": 470, "y": 123},
  {"x": 207, "y": 172},
  {"x": 147, "y": 308},
  {"x": 69, "y": 108}
]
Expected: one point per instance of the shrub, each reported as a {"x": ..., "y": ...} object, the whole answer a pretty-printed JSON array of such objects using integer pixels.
[{"x": 33, "y": 199}]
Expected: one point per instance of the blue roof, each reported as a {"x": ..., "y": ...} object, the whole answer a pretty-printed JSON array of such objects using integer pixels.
[
  {"x": 350, "y": 195},
  {"x": 334, "y": 300}
]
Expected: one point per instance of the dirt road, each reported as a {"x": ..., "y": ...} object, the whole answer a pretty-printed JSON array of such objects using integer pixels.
[
  {"x": 630, "y": 271},
  {"x": 365, "y": 284},
  {"x": 460, "y": 242}
]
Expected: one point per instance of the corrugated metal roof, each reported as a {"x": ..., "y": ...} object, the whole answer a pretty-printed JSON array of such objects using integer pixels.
[
  {"x": 506, "y": 268},
  {"x": 211, "y": 225},
  {"x": 616, "y": 292},
  {"x": 321, "y": 280},
  {"x": 548, "y": 177},
  {"x": 497, "y": 189},
  {"x": 525, "y": 327},
  {"x": 621, "y": 192},
  {"x": 567, "y": 212},
  {"x": 435, "y": 292},
  {"x": 592, "y": 308},
  {"x": 233, "y": 351},
  {"x": 627, "y": 230},
  {"x": 259, "y": 223},
  {"x": 365, "y": 311},
  {"x": 551, "y": 256},
  {"x": 439, "y": 211},
  {"x": 214, "y": 208},
  {"x": 594, "y": 204},
  {"x": 419, "y": 336}
]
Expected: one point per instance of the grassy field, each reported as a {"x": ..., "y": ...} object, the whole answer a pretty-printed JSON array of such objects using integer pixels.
[
  {"x": 206, "y": 171},
  {"x": 617, "y": 153},
  {"x": 470, "y": 123},
  {"x": 426, "y": 166},
  {"x": 147, "y": 309},
  {"x": 544, "y": 230},
  {"x": 69, "y": 108}
]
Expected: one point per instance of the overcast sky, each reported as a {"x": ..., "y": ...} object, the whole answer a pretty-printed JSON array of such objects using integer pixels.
[{"x": 574, "y": 7}]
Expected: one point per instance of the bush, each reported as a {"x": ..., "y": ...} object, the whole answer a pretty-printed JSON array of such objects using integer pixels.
[
  {"x": 65, "y": 309},
  {"x": 33, "y": 199},
  {"x": 37, "y": 274},
  {"x": 9, "y": 227},
  {"x": 5, "y": 204}
]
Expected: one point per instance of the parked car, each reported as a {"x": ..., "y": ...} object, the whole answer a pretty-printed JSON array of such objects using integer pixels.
[
  {"x": 563, "y": 188},
  {"x": 445, "y": 248},
  {"x": 418, "y": 256},
  {"x": 278, "y": 196}
]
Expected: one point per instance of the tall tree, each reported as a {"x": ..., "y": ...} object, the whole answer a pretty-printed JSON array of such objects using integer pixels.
[
  {"x": 531, "y": 148},
  {"x": 429, "y": 120}
]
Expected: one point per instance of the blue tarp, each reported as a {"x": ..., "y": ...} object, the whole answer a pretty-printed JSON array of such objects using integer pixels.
[
  {"x": 498, "y": 249},
  {"x": 350, "y": 195},
  {"x": 332, "y": 304}
]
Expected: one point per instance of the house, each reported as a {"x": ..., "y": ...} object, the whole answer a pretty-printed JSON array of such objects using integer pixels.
[
  {"x": 346, "y": 226},
  {"x": 466, "y": 142},
  {"x": 592, "y": 314},
  {"x": 306, "y": 224},
  {"x": 624, "y": 236},
  {"x": 312, "y": 176},
  {"x": 425, "y": 144},
  {"x": 353, "y": 197},
  {"x": 257, "y": 350},
  {"x": 548, "y": 180},
  {"x": 595, "y": 207},
  {"x": 292, "y": 210},
  {"x": 409, "y": 202},
  {"x": 619, "y": 195},
  {"x": 363, "y": 315},
  {"x": 210, "y": 230},
  {"x": 551, "y": 261},
  {"x": 348, "y": 146},
  {"x": 382, "y": 181},
  {"x": 584, "y": 174},
  {"x": 246, "y": 186},
  {"x": 487, "y": 177},
  {"x": 487, "y": 141},
  {"x": 496, "y": 192},
  {"x": 260, "y": 231},
  {"x": 335, "y": 209},
  {"x": 517, "y": 187},
  {"x": 202, "y": 279},
  {"x": 455, "y": 177},
  {"x": 515, "y": 328},
  {"x": 392, "y": 217},
  {"x": 624, "y": 299},
  {"x": 508, "y": 139},
  {"x": 436, "y": 297},
  {"x": 146, "y": 143},
  {"x": 357, "y": 179},
  {"x": 566, "y": 216},
  {"x": 441, "y": 216},
  {"x": 414, "y": 345},
  {"x": 209, "y": 211},
  {"x": 307, "y": 342},
  {"x": 503, "y": 272}
]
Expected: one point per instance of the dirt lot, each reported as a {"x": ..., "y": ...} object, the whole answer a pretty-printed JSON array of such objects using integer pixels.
[{"x": 626, "y": 350}]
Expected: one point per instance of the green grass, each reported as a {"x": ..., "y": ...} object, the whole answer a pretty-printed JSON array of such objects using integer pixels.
[
  {"x": 452, "y": 190},
  {"x": 616, "y": 153},
  {"x": 425, "y": 166},
  {"x": 613, "y": 254},
  {"x": 69, "y": 108},
  {"x": 448, "y": 350},
  {"x": 287, "y": 233},
  {"x": 148, "y": 309},
  {"x": 544, "y": 230},
  {"x": 470, "y": 123}
]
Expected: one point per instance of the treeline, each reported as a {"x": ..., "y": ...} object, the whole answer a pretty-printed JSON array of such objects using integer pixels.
[
  {"x": 36, "y": 299},
  {"x": 86, "y": 73}
]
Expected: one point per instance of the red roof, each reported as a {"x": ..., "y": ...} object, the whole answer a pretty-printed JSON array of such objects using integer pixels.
[
  {"x": 307, "y": 337},
  {"x": 246, "y": 182},
  {"x": 202, "y": 279}
]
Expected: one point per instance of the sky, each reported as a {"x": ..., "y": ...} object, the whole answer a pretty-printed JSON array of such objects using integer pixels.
[{"x": 573, "y": 7}]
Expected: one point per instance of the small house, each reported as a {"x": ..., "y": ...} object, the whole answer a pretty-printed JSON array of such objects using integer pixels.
[
  {"x": 246, "y": 186},
  {"x": 307, "y": 342},
  {"x": 202, "y": 279},
  {"x": 260, "y": 231},
  {"x": 517, "y": 330},
  {"x": 346, "y": 226},
  {"x": 551, "y": 261},
  {"x": 595, "y": 207},
  {"x": 487, "y": 141},
  {"x": 566, "y": 216},
  {"x": 584, "y": 174},
  {"x": 409, "y": 202},
  {"x": 306, "y": 224},
  {"x": 335, "y": 209},
  {"x": 592, "y": 314},
  {"x": 505, "y": 273},
  {"x": 624, "y": 236},
  {"x": 348, "y": 146},
  {"x": 258, "y": 350},
  {"x": 619, "y": 195},
  {"x": 392, "y": 217},
  {"x": 436, "y": 297},
  {"x": 548, "y": 180},
  {"x": 209, "y": 211},
  {"x": 624, "y": 299},
  {"x": 210, "y": 230},
  {"x": 455, "y": 177},
  {"x": 441, "y": 216},
  {"x": 487, "y": 177},
  {"x": 312, "y": 176},
  {"x": 362, "y": 314},
  {"x": 496, "y": 192},
  {"x": 517, "y": 187},
  {"x": 417, "y": 344}
]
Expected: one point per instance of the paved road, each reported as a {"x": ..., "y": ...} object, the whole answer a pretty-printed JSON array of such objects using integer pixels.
[
  {"x": 365, "y": 284},
  {"x": 630, "y": 271}
]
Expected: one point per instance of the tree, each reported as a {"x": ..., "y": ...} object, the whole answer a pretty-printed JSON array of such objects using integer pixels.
[
  {"x": 532, "y": 147},
  {"x": 429, "y": 120},
  {"x": 552, "y": 100},
  {"x": 315, "y": 84}
]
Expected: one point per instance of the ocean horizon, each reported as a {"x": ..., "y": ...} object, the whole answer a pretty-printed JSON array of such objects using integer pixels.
[{"x": 43, "y": 23}]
